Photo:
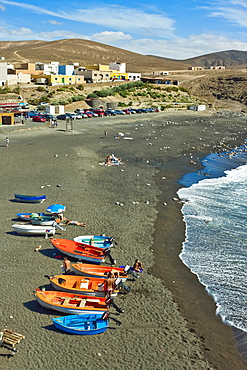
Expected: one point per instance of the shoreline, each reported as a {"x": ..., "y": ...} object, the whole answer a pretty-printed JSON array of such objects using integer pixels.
[{"x": 147, "y": 327}]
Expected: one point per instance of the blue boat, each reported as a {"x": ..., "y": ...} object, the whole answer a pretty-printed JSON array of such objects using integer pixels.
[
  {"x": 83, "y": 324},
  {"x": 98, "y": 241},
  {"x": 30, "y": 198}
]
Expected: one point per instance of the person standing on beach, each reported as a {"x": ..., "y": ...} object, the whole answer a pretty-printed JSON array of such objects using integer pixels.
[
  {"x": 7, "y": 142},
  {"x": 66, "y": 265},
  {"x": 137, "y": 266},
  {"x": 106, "y": 134}
]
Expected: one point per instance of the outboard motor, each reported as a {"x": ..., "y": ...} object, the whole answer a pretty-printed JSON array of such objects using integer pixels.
[{"x": 107, "y": 253}]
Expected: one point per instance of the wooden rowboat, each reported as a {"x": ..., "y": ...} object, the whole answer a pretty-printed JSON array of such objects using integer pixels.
[
  {"x": 75, "y": 284},
  {"x": 82, "y": 324},
  {"x": 98, "y": 241},
  {"x": 91, "y": 270},
  {"x": 24, "y": 229},
  {"x": 79, "y": 250},
  {"x": 30, "y": 198},
  {"x": 70, "y": 303}
]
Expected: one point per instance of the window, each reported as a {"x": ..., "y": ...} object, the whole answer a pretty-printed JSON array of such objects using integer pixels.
[
  {"x": 70, "y": 78},
  {"x": 55, "y": 78}
]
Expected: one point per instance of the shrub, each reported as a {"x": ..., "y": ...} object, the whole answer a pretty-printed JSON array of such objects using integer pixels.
[
  {"x": 77, "y": 98},
  {"x": 41, "y": 88},
  {"x": 92, "y": 96},
  {"x": 124, "y": 94},
  {"x": 80, "y": 87}
]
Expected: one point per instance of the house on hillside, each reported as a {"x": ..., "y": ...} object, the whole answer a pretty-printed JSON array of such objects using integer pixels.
[
  {"x": 132, "y": 76},
  {"x": 47, "y": 68},
  {"x": 196, "y": 68},
  {"x": 8, "y": 75},
  {"x": 217, "y": 67},
  {"x": 93, "y": 75},
  {"x": 160, "y": 81},
  {"x": 53, "y": 80},
  {"x": 67, "y": 69}
]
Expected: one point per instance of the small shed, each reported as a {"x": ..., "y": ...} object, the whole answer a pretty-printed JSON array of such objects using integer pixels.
[
  {"x": 55, "y": 109},
  {"x": 7, "y": 118}
]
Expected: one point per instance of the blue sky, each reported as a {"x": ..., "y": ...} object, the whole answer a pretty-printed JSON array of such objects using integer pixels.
[{"x": 171, "y": 29}]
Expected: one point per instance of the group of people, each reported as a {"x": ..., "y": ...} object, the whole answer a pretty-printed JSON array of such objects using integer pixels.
[
  {"x": 112, "y": 280},
  {"x": 112, "y": 160}
]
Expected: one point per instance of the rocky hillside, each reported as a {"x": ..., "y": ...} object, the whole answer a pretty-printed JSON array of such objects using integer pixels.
[{"x": 221, "y": 88}]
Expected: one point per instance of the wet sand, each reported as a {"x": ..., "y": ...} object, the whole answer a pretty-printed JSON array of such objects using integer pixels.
[{"x": 169, "y": 320}]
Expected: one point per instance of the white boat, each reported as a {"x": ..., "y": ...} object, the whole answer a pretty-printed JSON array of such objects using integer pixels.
[{"x": 24, "y": 229}]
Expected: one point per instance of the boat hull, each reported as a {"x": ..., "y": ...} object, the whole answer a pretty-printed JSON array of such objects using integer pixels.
[
  {"x": 80, "y": 251},
  {"x": 33, "y": 230},
  {"x": 70, "y": 310},
  {"x": 90, "y": 270},
  {"x": 95, "y": 240},
  {"x": 30, "y": 198},
  {"x": 81, "y": 324},
  {"x": 92, "y": 287},
  {"x": 42, "y": 222}
]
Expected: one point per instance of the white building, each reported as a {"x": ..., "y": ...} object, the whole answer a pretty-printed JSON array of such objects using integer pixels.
[
  {"x": 132, "y": 76},
  {"x": 48, "y": 68},
  {"x": 120, "y": 67}
]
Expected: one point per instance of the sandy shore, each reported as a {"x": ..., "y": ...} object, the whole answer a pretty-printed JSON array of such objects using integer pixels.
[{"x": 169, "y": 320}]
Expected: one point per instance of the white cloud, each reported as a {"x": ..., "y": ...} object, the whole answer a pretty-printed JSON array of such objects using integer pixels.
[
  {"x": 59, "y": 34},
  {"x": 109, "y": 37},
  {"x": 12, "y": 33},
  {"x": 110, "y": 16},
  {"x": 52, "y": 22},
  {"x": 181, "y": 48},
  {"x": 234, "y": 11},
  {"x": 2, "y": 7}
]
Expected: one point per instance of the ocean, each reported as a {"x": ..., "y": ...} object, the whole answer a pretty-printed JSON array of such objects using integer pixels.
[{"x": 215, "y": 246}]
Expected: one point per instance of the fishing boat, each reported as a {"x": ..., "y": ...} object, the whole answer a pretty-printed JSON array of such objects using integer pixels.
[
  {"x": 24, "y": 229},
  {"x": 80, "y": 251},
  {"x": 30, "y": 198},
  {"x": 82, "y": 324},
  {"x": 43, "y": 221},
  {"x": 70, "y": 303},
  {"x": 27, "y": 216},
  {"x": 91, "y": 270},
  {"x": 98, "y": 241},
  {"x": 75, "y": 284}
]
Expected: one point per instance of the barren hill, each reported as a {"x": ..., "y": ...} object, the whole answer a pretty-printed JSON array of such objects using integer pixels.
[
  {"x": 84, "y": 52},
  {"x": 229, "y": 59},
  {"x": 220, "y": 86}
]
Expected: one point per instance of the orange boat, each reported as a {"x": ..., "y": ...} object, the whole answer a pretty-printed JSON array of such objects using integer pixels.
[
  {"x": 75, "y": 284},
  {"x": 70, "y": 303},
  {"x": 81, "y": 251},
  {"x": 91, "y": 270}
]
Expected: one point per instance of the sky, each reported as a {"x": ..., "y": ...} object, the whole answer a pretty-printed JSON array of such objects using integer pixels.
[{"x": 172, "y": 29}]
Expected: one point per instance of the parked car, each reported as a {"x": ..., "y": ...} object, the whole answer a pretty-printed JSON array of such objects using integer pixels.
[
  {"x": 127, "y": 111},
  {"x": 47, "y": 116},
  {"x": 33, "y": 113},
  {"x": 63, "y": 116},
  {"x": 132, "y": 111},
  {"x": 39, "y": 119},
  {"x": 110, "y": 112},
  {"x": 79, "y": 110},
  {"x": 88, "y": 113},
  {"x": 118, "y": 111}
]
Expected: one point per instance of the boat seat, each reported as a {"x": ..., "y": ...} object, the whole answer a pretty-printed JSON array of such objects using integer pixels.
[
  {"x": 82, "y": 303},
  {"x": 66, "y": 301}
]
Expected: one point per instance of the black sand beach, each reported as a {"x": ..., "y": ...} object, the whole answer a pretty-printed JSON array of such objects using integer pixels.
[{"x": 169, "y": 320}]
